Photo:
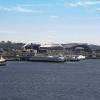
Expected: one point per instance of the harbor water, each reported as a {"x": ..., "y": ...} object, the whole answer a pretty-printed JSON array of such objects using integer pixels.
[{"x": 50, "y": 81}]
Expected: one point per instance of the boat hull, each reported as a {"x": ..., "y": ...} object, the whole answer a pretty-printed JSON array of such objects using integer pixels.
[
  {"x": 2, "y": 63},
  {"x": 47, "y": 59}
]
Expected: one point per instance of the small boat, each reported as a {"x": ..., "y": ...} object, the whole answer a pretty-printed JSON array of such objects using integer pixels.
[
  {"x": 81, "y": 57},
  {"x": 2, "y": 61}
]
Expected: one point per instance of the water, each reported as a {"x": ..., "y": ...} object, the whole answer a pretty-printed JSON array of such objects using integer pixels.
[{"x": 50, "y": 81}]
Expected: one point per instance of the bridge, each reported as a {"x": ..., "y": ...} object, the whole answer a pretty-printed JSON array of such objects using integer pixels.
[{"x": 74, "y": 46}]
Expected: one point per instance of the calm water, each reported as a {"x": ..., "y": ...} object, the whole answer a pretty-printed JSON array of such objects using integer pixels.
[{"x": 50, "y": 81}]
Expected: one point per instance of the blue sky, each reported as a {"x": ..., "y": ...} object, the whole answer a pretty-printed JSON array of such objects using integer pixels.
[{"x": 61, "y": 21}]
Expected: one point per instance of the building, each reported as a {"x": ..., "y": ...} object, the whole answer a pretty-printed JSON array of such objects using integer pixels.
[{"x": 52, "y": 49}]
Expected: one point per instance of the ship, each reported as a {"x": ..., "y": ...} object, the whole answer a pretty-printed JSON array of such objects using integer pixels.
[
  {"x": 47, "y": 59},
  {"x": 2, "y": 61}
]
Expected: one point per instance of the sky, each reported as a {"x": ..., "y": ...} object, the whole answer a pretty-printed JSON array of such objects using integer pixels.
[{"x": 42, "y": 21}]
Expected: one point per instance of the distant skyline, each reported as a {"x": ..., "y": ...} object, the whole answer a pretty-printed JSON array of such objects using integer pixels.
[{"x": 42, "y": 21}]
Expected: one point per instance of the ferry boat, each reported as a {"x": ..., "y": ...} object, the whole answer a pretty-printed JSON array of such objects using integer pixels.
[
  {"x": 2, "y": 61},
  {"x": 47, "y": 59}
]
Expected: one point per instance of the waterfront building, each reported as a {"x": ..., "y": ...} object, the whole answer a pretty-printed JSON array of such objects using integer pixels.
[{"x": 52, "y": 49}]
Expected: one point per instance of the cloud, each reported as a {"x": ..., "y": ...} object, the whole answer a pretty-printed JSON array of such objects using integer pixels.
[
  {"x": 98, "y": 9},
  {"x": 26, "y": 5},
  {"x": 92, "y": 2},
  {"x": 90, "y": 5},
  {"x": 82, "y": 4},
  {"x": 76, "y": 4},
  {"x": 20, "y": 8},
  {"x": 54, "y": 16}
]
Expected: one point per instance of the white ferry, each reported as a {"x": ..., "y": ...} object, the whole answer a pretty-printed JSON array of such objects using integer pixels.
[{"x": 47, "y": 59}]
